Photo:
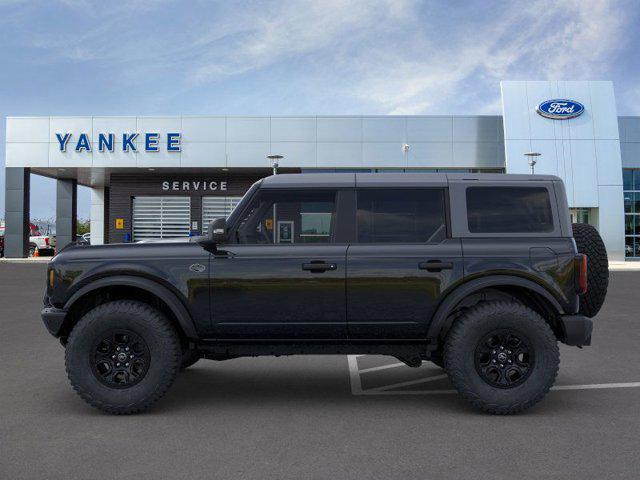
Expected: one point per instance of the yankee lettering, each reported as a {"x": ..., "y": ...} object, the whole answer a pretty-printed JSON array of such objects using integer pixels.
[{"x": 129, "y": 142}]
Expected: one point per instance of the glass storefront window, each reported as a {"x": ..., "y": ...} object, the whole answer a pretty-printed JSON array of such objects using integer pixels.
[
  {"x": 629, "y": 224},
  {"x": 580, "y": 215},
  {"x": 627, "y": 179},
  {"x": 628, "y": 246},
  {"x": 631, "y": 182},
  {"x": 628, "y": 202}
]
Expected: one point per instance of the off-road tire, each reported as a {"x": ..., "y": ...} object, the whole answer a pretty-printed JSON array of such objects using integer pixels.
[
  {"x": 467, "y": 333},
  {"x": 189, "y": 357},
  {"x": 590, "y": 243},
  {"x": 147, "y": 323}
]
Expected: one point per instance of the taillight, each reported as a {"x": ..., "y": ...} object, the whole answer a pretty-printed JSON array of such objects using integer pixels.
[
  {"x": 580, "y": 273},
  {"x": 46, "y": 241}
]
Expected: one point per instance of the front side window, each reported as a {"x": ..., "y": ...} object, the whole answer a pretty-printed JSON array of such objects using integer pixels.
[
  {"x": 509, "y": 210},
  {"x": 401, "y": 215},
  {"x": 288, "y": 217}
]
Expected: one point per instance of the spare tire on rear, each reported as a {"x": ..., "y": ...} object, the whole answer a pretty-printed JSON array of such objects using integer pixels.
[{"x": 590, "y": 243}]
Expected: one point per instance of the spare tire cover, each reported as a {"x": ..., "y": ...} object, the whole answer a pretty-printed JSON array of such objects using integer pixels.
[{"x": 590, "y": 243}]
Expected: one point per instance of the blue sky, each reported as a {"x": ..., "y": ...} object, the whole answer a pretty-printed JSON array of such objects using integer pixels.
[{"x": 76, "y": 57}]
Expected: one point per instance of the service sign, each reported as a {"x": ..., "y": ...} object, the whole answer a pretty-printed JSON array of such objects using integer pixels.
[
  {"x": 560, "y": 109},
  {"x": 149, "y": 141}
]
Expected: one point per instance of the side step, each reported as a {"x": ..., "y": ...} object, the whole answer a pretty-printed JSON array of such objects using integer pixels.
[{"x": 409, "y": 353}]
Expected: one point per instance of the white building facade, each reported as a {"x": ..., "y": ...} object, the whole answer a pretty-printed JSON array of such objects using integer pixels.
[{"x": 167, "y": 176}]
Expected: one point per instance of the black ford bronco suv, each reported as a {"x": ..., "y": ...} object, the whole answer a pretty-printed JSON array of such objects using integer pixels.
[{"x": 480, "y": 274}]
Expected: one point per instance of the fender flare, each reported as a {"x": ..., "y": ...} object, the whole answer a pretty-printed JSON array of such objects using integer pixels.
[
  {"x": 461, "y": 292},
  {"x": 167, "y": 296}
]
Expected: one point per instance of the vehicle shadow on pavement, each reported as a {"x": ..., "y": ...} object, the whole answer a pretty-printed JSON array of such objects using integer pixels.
[{"x": 206, "y": 386}]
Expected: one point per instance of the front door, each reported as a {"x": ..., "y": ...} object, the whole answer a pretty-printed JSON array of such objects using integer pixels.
[
  {"x": 401, "y": 263},
  {"x": 282, "y": 276}
]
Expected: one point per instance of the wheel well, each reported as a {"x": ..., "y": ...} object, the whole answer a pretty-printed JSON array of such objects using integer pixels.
[
  {"x": 117, "y": 292},
  {"x": 531, "y": 299}
]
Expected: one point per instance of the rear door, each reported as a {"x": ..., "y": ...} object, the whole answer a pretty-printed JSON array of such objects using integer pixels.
[{"x": 401, "y": 262}]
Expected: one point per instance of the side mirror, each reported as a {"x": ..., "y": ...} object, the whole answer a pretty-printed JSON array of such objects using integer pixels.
[{"x": 218, "y": 230}]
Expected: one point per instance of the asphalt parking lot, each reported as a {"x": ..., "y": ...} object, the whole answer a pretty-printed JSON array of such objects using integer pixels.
[{"x": 317, "y": 417}]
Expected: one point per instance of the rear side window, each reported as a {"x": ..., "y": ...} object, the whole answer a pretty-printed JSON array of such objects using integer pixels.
[
  {"x": 509, "y": 210},
  {"x": 401, "y": 216}
]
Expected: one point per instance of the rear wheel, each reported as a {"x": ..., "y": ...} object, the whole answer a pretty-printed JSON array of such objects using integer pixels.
[
  {"x": 590, "y": 243},
  {"x": 122, "y": 356},
  {"x": 502, "y": 357}
]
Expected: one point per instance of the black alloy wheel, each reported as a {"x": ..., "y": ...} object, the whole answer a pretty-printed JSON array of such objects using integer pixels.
[
  {"x": 120, "y": 359},
  {"x": 504, "y": 358}
]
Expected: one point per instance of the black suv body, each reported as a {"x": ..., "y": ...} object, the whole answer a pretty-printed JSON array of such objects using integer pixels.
[{"x": 448, "y": 268}]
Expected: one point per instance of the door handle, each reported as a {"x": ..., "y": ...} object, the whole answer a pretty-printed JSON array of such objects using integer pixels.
[
  {"x": 435, "y": 266},
  {"x": 319, "y": 266}
]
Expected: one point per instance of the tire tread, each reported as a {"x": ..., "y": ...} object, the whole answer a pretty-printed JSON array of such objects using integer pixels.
[
  {"x": 164, "y": 329},
  {"x": 458, "y": 336},
  {"x": 590, "y": 243}
]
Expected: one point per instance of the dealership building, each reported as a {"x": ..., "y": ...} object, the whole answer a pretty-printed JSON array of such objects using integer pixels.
[{"x": 166, "y": 176}]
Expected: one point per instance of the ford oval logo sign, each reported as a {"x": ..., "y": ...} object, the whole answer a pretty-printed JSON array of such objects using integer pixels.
[{"x": 560, "y": 109}]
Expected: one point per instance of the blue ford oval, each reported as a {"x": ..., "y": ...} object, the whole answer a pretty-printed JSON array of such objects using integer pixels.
[{"x": 560, "y": 109}]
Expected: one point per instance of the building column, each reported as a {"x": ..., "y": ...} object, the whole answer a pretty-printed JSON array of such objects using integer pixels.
[
  {"x": 17, "y": 190},
  {"x": 97, "y": 216},
  {"x": 107, "y": 223},
  {"x": 610, "y": 221},
  {"x": 66, "y": 212}
]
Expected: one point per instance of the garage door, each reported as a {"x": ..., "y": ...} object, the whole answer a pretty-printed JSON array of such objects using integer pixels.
[
  {"x": 161, "y": 217},
  {"x": 213, "y": 207}
]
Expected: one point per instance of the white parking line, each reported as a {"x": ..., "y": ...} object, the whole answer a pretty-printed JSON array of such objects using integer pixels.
[
  {"x": 356, "y": 383},
  {"x": 594, "y": 386},
  {"x": 407, "y": 383},
  {"x": 381, "y": 367}
]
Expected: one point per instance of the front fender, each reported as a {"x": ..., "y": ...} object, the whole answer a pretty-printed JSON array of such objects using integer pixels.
[{"x": 163, "y": 293}]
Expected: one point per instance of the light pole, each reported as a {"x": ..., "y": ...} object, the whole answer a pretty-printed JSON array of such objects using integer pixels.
[
  {"x": 532, "y": 159},
  {"x": 274, "y": 162}
]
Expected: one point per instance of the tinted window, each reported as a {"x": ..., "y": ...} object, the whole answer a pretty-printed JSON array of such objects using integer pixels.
[
  {"x": 288, "y": 217},
  {"x": 401, "y": 216},
  {"x": 509, "y": 210}
]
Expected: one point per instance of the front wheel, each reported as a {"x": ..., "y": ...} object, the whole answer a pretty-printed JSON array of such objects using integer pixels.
[
  {"x": 122, "y": 356},
  {"x": 502, "y": 357}
]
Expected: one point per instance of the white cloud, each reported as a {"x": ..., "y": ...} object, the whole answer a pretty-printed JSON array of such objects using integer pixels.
[
  {"x": 391, "y": 56},
  {"x": 292, "y": 30},
  {"x": 538, "y": 40}
]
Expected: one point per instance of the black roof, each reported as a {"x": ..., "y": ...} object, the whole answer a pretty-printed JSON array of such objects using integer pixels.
[{"x": 345, "y": 180}]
